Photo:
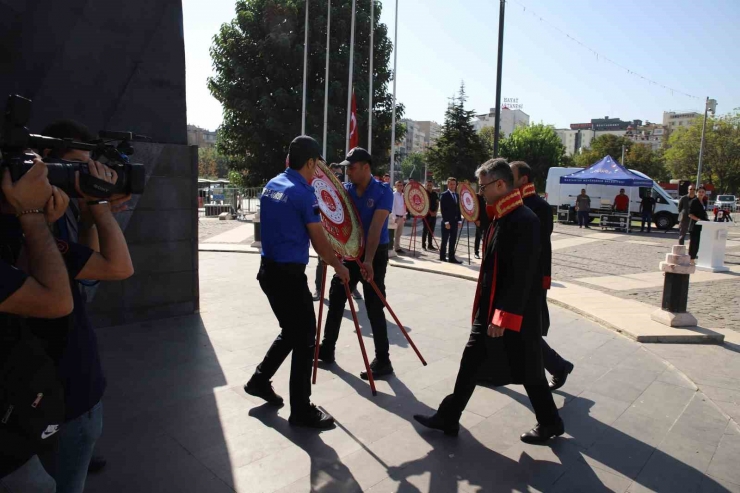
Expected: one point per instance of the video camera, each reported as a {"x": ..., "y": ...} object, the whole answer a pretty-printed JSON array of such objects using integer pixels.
[{"x": 15, "y": 140}]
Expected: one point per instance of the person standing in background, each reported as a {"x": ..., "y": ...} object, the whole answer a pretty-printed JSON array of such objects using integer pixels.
[
  {"x": 431, "y": 218},
  {"x": 697, "y": 213},
  {"x": 399, "y": 215},
  {"x": 647, "y": 209},
  {"x": 481, "y": 225},
  {"x": 452, "y": 220},
  {"x": 683, "y": 214},
  {"x": 583, "y": 207}
]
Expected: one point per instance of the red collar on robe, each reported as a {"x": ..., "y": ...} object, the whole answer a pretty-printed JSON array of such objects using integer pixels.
[
  {"x": 497, "y": 210},
  {"x": 528, "y": 190}
]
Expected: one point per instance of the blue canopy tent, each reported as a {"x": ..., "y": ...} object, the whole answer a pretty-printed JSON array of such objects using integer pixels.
[{"x": 608, "y": 171}]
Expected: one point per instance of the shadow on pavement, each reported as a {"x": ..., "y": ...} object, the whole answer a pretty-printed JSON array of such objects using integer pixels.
[{"x": 161, "y": 410}]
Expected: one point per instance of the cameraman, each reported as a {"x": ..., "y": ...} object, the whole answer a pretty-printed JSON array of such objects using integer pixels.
[
  {"x": 94, "y": 249},
  {"x": 43, "y": 292}
]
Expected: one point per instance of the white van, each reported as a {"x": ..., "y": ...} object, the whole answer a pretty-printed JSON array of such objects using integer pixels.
[{"x": 602, "y": 197}]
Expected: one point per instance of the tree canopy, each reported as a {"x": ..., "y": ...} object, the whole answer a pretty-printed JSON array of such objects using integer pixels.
[
  {"x": 258, "y": 64},
  {"x": 539, "y": 146},
  {"x": 412, "y": 167},
  {"x": 721, "y": 160},
  {"x": 640, "y": 157},
  {"x": 459, "y": 150}
]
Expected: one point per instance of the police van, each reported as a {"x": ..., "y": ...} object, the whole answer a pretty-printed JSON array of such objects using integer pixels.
[{"x": 562, "y": 196}]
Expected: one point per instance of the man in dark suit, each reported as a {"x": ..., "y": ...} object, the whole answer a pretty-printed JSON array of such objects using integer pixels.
[
  {"x": 481, "y": 225},
  {"x": 431, "y": 218},
  {"x": 558, "y": 367},
  {"x": 451, "y": 221},
  {"x": 506, "y": 312}
]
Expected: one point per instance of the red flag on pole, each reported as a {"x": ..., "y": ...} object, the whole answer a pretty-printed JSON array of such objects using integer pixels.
[{"x": 354, "y": 136}]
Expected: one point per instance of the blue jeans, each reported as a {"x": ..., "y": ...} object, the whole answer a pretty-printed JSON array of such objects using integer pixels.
[
  {"x": 68, "y": 465},
  {"x": 31, "y": 476},
  {"x": 647, "y": 217}
]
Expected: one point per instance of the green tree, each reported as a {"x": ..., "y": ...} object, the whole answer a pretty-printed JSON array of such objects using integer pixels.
[
  {"x": 258, "y": 64},
  {"x": 486, "y": 135},
  {"x": 539, "y": 146},
  {"x": 721, "y": 160},
  {"x": 459, "y": 150},
  {"x": 413, "y": 166},
  {"x": 601, "y": 146},
  {"x": 642, "y": 158},
  {"x": 213, "y": 164}
]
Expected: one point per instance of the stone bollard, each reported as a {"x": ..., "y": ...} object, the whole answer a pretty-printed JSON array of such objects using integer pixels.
[
  {"x": 257, "y": 231},
  {"x": 677, "y": 268}
]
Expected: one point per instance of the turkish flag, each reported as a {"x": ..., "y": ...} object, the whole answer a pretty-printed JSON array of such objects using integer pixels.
[{"x": 354, "y": 136}]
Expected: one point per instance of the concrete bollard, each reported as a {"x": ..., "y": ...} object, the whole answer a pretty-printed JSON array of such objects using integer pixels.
[
  {"x": 257, "y": 231},
  {"x": 677, "y": 268}
]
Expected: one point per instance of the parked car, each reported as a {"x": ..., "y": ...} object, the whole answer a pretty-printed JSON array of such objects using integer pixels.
[{"x": 728, "y": 202}]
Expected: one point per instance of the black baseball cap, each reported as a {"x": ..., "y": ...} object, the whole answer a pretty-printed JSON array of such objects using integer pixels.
[
  {"x": 302, "y": 149},
  {"x": 356, "y": 155}
]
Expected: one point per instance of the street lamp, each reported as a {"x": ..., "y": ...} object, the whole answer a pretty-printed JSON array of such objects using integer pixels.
[{"x": 709, "y": 106}]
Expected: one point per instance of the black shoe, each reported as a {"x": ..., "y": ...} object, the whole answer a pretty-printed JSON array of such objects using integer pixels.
[
  {"x": 558, "y": 380},
  {"x": 316, "y": 295},
  {"x": 313, "y": 417},
  {"x": 477, "y": 255},
  {"x": 454, "y": 261},
  {"x": 356, "y": 294},
  {"x": 263, "y": 390},
  {"x": 432, "y": 249},
  {"x": 326, "y": 354},
  {"x": 437, "y": 423},
  {"x": 539, "y": 435},
  {"x": 443, "y": 259},
  {"x": 378, "y": 369},
  {"x": 97, "y": 463},
  {"x": 400, "y": 251}
]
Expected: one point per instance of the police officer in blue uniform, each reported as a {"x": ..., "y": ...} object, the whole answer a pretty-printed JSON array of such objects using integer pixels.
[
  {"x": 374, "y": 202},
  {"x": 290, "y": 217}
]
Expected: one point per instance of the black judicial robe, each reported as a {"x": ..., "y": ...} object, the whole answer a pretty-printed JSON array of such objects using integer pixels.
[
  {"x": 509, "y": 295},
  {"x": 542, "y": 209}
]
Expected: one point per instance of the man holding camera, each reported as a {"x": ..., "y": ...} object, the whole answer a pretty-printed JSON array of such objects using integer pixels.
[
  {"x": 43, "y": 291},
  {"x": 94, "y": 248}
]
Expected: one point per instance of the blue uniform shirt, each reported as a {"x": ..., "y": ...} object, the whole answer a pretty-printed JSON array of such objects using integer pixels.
[
  {"x": 287, "y": 205},
  {"x": 377, "y": 196}
]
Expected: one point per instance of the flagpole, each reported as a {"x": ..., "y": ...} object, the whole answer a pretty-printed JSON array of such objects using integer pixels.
[
  {"x": 370, "y": 84},
  {"x": 393, "y": 117},
  {"x": 326, "y": 74},
  {"x": 305, "y": 68},
  {"x": 351, "y": 68}
]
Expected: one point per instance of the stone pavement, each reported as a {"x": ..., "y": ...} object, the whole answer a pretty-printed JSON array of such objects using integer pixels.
[{"x": 638, "y": 417}]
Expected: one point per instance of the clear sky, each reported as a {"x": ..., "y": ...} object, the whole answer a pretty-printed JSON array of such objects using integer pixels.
[{"x": 689, "y": 45}]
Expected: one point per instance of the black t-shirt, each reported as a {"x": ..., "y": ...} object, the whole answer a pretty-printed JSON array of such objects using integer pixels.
[
  {"x": 433, "y": 202},
  {"x": 72, "y": 342},
  {"x": 647, "y": 205}
]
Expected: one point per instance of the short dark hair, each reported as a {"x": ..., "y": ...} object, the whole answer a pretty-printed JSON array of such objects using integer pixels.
[
  {"x": 452, "y": 178},
  {"x": 523, "y": 169},
  {"x": 701, "y": 188},
  {"x": 67, "y": 129},
  {"x": 497, "y": 169},
  {"x": 302, "y": 149}
]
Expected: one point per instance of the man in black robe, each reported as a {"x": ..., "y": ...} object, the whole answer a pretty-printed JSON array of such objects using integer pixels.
[
  {"x": 507, "y": 322},
  {"x": 558, "y": 367}
]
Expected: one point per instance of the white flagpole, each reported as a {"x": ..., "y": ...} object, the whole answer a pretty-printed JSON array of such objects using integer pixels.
[
  {"x": 393, "y": 118},
  {"x": 326, "y": 74},
  {"x": 370, "y": 84},
  {"x": 351, "y": 68},
  {"x": 305, "y": 68}
]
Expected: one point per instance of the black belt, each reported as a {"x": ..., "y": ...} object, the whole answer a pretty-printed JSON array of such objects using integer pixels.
[
  {"x": 284, "y": 266},
  {"x": 398, "y": 216}
]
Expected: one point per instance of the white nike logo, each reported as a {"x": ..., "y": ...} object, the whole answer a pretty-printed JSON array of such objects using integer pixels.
[{"x": 49, "y": 431}]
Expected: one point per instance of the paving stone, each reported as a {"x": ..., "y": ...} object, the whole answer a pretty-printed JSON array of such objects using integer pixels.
[
  {"x": 724, "y": 464},
  {"x": 583, "y": 479},
  {"x": 661, "y": 399}
]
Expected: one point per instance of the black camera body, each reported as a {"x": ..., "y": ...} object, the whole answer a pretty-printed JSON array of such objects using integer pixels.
[{"x": 15, "y": 140}]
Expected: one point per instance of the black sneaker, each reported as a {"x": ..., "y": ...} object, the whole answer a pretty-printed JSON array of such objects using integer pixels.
[
  {"x": 263, "y": 389},
  {"x": 453, "y": 260},
  {"x": 356, "y": 294},
  {"x": 316, "y": 295},
  {"x": 432, "y": 249},
  {"x": 378, "y": 369},
  {"x": 313, "y": 417},
  {"x": 326, "y": 354},
  {"x": 477, "y": 255}
]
